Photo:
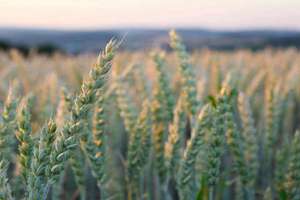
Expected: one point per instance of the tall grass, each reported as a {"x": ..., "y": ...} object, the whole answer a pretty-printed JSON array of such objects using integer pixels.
[{"x": 171, "y": 125}]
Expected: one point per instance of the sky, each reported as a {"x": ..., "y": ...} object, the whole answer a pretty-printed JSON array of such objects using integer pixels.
[{"x": 105, "y": 14}]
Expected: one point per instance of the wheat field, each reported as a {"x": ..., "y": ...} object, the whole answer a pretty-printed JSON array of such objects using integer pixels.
[{"x": 154, "y": 125}]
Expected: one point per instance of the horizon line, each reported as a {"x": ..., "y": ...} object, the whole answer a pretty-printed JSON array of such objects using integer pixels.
[{"x": 158, "y": 28}]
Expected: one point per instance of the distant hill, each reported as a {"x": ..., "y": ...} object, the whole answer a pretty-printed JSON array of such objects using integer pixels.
[{"x": 135, "y": 39}]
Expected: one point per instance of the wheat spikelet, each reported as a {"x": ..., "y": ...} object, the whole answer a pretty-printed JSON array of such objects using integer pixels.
[
  {"x": 96, "y": 158},
  {"x": 163, "y": 82},
  {"x": 127, "y": 110},
  {"x": 67, "y": 140},
  {"x": 175, "y": 139},
  {"x": 138, "y": 150},
  {"x": 250, "y": 137},
  {"x": 135, "y": 145},
  {"x": 5, "y": 189},
  {"x": 77, "y": 162},
  {"x": 292, "y": 183},
  {"x": 158, "y": 131},
  {"x": 186, "y": 174},
  {"x": 188, "y": 80},
  {"x": 25, "y": 141},
  {"x": 39, "y": 170},
  {"x": 137, "y": 81},
  {"x": 143, "y": 127},
  {"x": 272, "y": 116},
  {"x": 215, "y": 147},
  {"x": 281, "y": 160},
  {"x": 7, "y": 126},
  {"x": 96, "y": 80},
  {"x": 64, "y": 143},
  {"x": 233, "y": 137},
  {"x": 95, "y": 147},
  {"x": 64, "y": 105}
]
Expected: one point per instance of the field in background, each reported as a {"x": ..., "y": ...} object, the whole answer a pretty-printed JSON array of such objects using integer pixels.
[{"x": 145, "y": 112}]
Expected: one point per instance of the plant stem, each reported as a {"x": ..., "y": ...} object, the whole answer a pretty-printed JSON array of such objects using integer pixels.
[{"x": 211, "y": 193}]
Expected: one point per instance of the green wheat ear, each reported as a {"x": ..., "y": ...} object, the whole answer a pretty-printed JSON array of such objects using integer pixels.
[
  {"x": 126, "y": 107},
  {"x": 39, "y": 170},
  {"x": 159, "y": 128},
  {"x": 292, "y": 183},
  {"x": 138, "y": 150},
  {"x": 23, "y": 135},
  {"x": 5, "y": 188},
  {"x": 95, "y": 147},
  {"x": 187, "y": 74},
  {"x": 8, "y": 124},
  {"x": 162, "y": 113},
  {"x": 215, "y": 151},
  {"x": 77, "y": 162},
  {"x": 282, "y": 160},
  {"x": 163, "y": 83},
  {"x": 70, "y": 133},
  {"x": 175, "y": 141},
  {"x": 250, "y": 137},
  {"x": 194, "y": 145}
]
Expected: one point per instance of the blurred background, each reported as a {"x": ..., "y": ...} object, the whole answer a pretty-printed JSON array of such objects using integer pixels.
[{"x": 79, "y": 26}]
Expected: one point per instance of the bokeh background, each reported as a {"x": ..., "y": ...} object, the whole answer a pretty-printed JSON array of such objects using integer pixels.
[{"x": 76, "y": 26}]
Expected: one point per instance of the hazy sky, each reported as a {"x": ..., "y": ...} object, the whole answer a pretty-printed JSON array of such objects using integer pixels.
[{"x": 97, "y": 14}]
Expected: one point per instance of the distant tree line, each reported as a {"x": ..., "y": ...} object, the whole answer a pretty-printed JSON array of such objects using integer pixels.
[
  {"x": 232, "y": 43},
  {"x": 224, "y": 43},
  {"x": 46, "y": 48}
]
